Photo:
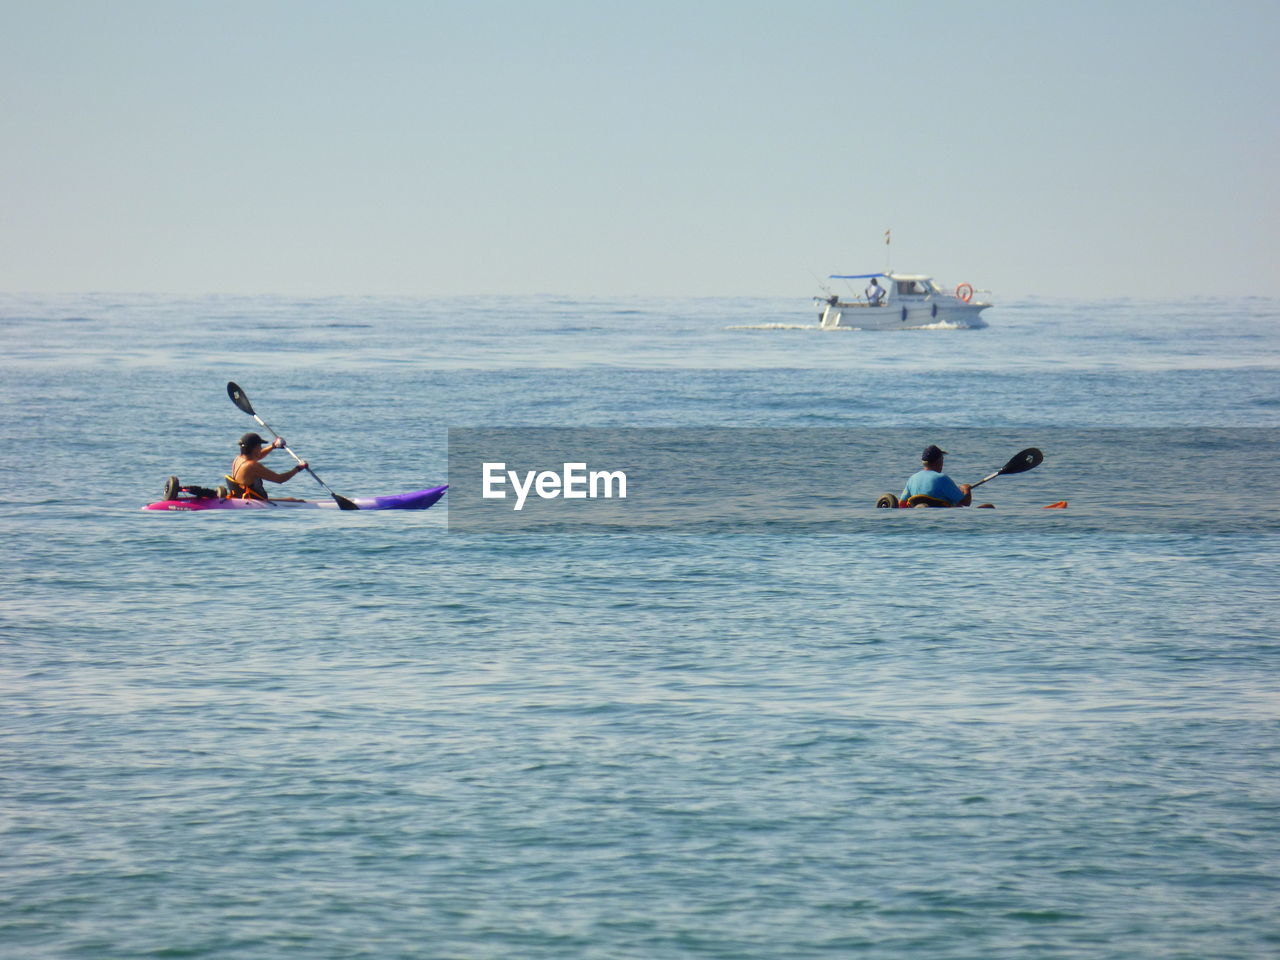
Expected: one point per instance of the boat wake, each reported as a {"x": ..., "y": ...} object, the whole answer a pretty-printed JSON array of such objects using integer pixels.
[{"x": 951, "y": 325}]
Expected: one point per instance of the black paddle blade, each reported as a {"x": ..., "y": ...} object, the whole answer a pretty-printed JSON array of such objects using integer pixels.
[
  {"x": 1024, "y": 461},
  {"x": 238, "y": 398},
  {"x": 343, "y": 503}
]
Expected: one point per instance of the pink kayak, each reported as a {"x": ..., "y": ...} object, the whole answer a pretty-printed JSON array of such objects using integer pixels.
[{"x": 418, "y": 500}]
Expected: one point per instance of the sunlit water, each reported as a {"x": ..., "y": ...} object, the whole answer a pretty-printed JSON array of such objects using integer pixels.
[{"x": 334, "y": 735}]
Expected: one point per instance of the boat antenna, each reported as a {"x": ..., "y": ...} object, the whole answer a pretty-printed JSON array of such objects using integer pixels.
[{"x": 888, "y": 252}]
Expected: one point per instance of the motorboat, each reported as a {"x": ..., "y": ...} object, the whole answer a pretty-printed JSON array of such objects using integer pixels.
[{"x": 902, "y": 301}]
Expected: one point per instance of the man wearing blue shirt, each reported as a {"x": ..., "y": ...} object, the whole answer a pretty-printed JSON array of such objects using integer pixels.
[{"x": 932, "y": 482}]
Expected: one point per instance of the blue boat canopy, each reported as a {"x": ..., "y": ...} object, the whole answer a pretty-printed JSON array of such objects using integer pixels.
[{"x": 855, "y": 276}]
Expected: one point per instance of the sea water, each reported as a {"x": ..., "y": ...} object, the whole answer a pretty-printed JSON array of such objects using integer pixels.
[{"x": 927, "y": 734}]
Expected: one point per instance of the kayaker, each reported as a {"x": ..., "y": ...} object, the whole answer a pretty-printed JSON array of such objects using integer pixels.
[
  {"x": 932, "y": 482},
  {"x": 248, "y": 472},
  {"x": 875, "y": 293}
]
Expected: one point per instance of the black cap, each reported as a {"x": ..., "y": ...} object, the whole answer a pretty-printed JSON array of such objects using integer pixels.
[
  {"x": 250, "y": 441},
  {"x": 931, "y": 453}
]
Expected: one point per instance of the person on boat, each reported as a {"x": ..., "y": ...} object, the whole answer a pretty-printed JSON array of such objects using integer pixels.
[
  {"x": 248, "y": 473},
  {"x": 875, "y": 293},
  {"x": 932, "y": 482}
]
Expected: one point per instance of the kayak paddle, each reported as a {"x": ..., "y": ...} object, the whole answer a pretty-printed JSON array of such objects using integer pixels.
[
  {"x": 239, "y": 398},
  {"x": 1019, "y": 463}
]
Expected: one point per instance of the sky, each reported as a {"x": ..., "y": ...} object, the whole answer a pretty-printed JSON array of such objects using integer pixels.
[{"x": 601, "y": 148}]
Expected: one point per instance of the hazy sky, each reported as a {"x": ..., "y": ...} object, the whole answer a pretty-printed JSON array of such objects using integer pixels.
[{"x": 719, "y": 147}]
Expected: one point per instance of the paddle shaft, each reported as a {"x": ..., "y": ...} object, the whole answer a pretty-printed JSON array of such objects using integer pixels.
[{"x": 287, "y": 449}]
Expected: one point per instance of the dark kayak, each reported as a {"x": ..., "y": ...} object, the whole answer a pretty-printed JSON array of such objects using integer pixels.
[{"x": 891, "y": 501}]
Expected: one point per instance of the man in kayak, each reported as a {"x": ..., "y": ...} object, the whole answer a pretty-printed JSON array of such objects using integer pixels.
[
  {"x": 247, "y": 472},
  {"x": 932, "y": 482}
]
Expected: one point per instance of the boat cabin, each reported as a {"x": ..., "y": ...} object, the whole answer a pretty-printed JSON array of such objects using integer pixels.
[{"x": 895, "y": 285}]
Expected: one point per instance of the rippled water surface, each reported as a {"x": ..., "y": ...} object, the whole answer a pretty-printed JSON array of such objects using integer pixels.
[{"x": 333, "y": 735}]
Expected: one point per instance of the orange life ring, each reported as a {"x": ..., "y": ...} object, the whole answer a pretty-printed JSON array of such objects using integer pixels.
[{"x": 964, "y": 292}]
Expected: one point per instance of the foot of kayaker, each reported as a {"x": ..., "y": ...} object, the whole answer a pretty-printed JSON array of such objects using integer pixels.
[
  {"x": 247, "y": 472},
  {"x": 933, "y": 483}
]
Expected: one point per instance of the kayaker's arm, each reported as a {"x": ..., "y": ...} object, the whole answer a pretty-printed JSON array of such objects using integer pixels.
[{"x": 259, "y": 472}]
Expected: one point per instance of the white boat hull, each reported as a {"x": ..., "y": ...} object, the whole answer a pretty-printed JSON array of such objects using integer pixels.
[{"x": 927, "y": 314}]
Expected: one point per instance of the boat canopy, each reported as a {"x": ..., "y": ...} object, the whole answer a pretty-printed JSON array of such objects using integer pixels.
[{"x": 887, "y": 276}]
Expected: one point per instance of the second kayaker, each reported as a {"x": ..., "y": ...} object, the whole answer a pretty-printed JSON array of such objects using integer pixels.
[
  {"x": 932, "y": 482},
  {"x": 247, "y": 472}
]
